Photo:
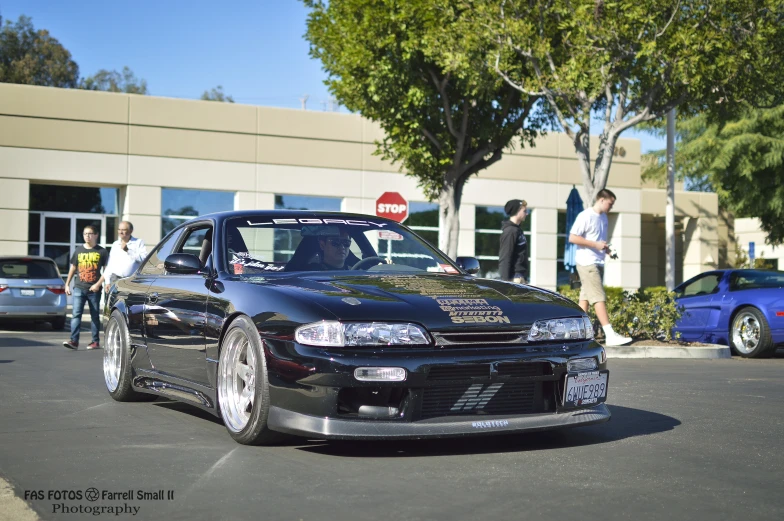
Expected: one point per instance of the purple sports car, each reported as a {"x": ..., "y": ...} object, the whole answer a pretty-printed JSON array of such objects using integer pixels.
[{"x": 740, "y": 308}]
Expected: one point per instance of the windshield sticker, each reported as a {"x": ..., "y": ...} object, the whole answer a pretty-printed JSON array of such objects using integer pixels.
[
  {"x": 435, "y": 269},
  {"x": 244, "y": 260},
  {"x": 449, "y": 269},
  {"x": 347, "y": 222},
  {"x": 388, "y": 235}
]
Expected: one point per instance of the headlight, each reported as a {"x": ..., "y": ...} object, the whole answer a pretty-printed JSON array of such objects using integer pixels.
[
  {"x": 561, "y": 329},
  {"x": 335, "y": 334}
]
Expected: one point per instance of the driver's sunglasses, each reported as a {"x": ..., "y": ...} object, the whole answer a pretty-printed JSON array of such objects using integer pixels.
[{"x": 337, "y": 243}]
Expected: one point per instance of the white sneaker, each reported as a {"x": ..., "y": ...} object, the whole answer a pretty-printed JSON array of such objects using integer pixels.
[{"x": 615, "y": 340}]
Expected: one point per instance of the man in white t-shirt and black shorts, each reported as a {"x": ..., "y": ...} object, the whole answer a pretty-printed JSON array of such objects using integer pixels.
[{"x": 589, "y": 233}]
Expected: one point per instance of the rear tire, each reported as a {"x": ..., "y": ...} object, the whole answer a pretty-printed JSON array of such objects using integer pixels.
[
  {"x": 243, "y": 387},
  {"x": 58, "y": 324},
  {"x": 750, "y": 334},
  {"x": 117, "y": 370}
]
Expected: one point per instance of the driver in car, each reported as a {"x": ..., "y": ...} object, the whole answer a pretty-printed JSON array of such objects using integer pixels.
[{"x": 334, "y": 252}]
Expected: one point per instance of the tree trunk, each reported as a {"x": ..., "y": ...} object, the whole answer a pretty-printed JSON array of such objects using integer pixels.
[{"x": 449, "y": 218}]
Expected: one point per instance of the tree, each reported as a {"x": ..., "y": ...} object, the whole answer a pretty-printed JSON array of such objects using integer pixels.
[
  {"x": 33, "y": 57},
  {"x": 630, "y": 61},
  {"x": 216, "y": 94},
  {"x": 742, "y": 160},
  {"x": 445, "y": 116},
  {"x": 113, "y": 81}
]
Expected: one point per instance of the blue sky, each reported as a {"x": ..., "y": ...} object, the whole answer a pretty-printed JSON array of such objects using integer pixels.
[{"x": 254, "y": 48}]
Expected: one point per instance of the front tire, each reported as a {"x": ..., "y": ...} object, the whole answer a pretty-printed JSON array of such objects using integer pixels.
[
  {"x": 117, "y": 370},
  {"x": 243, "y": 387},
  {"x": 750, "y": 334}
]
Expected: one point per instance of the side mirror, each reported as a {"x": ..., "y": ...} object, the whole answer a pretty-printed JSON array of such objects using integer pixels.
[
  {"x": 468, "y": 264},
  {"x": 182, "y": 264}
]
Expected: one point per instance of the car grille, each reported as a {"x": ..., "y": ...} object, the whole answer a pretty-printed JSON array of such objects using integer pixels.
[
  {"x": 496, "y": 337},
  {"x": 473, "y": 371},
  {"x": 482, "y": 399}
]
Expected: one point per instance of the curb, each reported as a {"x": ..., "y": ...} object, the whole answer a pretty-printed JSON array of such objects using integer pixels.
[{"x": 640, "y": 351}]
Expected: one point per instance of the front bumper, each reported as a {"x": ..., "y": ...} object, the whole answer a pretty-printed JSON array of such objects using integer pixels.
[
  {"x": 332, "y": 428},
  {"x": 447, "y": 392}
]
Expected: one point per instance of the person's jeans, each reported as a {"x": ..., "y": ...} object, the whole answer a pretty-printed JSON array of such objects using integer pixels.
[{"x": 93, "y": 302}]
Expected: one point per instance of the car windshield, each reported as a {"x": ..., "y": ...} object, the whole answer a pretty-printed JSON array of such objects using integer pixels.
[
  {"x": 28, "y": 269},
  {"x": 267, "y": 245},
  {"x": 748, "y": 279}
]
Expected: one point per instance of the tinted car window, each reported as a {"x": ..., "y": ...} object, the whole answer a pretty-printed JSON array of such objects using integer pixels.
[
  {"x": 154, "y": 265},
  {"x": 28, "y": 269},
  {"x": 702, "y": 286},
  {"x": 740, "y": 280}
]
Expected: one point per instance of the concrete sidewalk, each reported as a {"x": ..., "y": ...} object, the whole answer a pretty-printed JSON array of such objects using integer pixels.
[{"x": 693, "y": 352}]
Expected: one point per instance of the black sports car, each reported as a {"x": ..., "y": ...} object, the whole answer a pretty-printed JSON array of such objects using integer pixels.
[{"x": 344, "y": 326}]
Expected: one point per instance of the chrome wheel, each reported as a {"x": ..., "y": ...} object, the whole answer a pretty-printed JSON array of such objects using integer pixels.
[
  {"x": 746, "y": 332},
  {"x": 237, "y": 375},
  {"x": 112, "y": 355}
]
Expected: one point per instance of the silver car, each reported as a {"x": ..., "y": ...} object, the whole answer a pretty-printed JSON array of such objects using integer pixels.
[{"x": 31, "y": 289}]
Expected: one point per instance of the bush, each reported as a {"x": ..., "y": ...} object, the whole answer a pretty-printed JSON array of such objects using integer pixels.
[{"x": 645, "y": 313}]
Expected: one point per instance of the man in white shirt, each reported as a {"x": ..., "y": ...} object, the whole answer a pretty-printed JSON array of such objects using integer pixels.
[
  {"x": 126, "y": 255},
  {"x": 589, "y": 233}
]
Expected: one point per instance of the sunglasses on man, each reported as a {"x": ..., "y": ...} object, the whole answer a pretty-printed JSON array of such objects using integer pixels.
[{"x": 337, "y": 243}]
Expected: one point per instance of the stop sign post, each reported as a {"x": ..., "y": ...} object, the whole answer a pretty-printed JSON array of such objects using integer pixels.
[{"x": 393, "y": 206}]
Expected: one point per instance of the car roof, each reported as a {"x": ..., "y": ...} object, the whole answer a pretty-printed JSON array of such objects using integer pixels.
[
  {"x": 284, "y": 214},
  {"x": 25, "y": 257}
]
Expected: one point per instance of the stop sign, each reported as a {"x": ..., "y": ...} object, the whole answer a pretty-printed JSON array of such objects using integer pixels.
[{"x": 393, "y": 206}]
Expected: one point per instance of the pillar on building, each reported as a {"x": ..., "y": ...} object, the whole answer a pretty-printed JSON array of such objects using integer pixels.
[
  {"x": 141, "y": 205},
  {"x": 14, "y": 214},
  {"x": 466, "y": 241},
  {"x": 701, "y": 244},
  {"x": 544, "y": 248},
  {"x": 624, "y": 236}
]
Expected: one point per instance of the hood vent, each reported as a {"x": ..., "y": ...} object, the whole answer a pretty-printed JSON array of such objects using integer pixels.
[{"x": 519, "y": 336}]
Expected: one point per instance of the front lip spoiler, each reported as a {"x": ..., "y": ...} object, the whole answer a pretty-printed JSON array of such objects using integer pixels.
[{"x": 283, "y": 420}]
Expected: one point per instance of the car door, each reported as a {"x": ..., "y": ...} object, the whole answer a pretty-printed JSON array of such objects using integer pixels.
[
  {"x": 136, "y": 287},
  {"x": 697, "y": 296},
  {"x": 175, "y": 314}
]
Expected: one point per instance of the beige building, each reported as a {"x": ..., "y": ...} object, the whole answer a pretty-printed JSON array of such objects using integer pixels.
[{"x": 71, "y": 157}]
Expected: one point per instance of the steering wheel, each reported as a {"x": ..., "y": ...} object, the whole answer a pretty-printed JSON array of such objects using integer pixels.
[{"x": 368, "y": 261}]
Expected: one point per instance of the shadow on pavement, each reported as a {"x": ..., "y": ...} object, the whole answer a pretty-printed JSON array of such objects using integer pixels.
[
  {"x": 625, "y": 423},
  {"x": 186, "y": 409},
  {"x": 14, "y": 341}
]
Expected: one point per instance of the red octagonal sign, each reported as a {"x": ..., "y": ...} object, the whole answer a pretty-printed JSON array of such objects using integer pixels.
[{"x": 393, "y": 206}]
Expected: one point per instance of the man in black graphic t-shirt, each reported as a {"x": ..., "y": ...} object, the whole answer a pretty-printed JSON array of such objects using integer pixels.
[{"x": 87, "y": 261}]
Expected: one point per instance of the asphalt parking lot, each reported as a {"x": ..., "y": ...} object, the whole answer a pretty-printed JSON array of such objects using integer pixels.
[{"x": 689, "y": 439}]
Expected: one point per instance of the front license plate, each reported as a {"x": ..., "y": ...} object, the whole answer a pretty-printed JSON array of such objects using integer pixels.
[
  {"x": 585, "y": 388},
  {"x": 28, "y": 292}
]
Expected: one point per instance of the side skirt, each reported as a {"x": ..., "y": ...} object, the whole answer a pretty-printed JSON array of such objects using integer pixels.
[{"x": 153, "y": 382}]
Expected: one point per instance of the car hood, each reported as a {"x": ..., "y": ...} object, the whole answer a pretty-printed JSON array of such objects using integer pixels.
[{"x": 439, "y": 302}]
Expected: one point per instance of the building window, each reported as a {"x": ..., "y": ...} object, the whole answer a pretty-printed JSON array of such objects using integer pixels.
[
  {"x": 286, "y": 241},
  {"x": 423, "y": 219},
  {"x": 59, "y": 213},
  {"x": 73, "y": 199},
  {"x": 487, "y": 238},
  {"x": 178, "y": 206},
  {"x": 306, "y": 202}
]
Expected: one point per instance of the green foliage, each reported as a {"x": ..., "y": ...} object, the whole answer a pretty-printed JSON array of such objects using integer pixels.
[
  {"x": 630, "y": 61},
  {"x": 645, "y": 313},
  {"x": 742, "y": 159},
  {"x": 216, "y": 94},
  {"x": 33, "y": 57},
  {"x": 113, "y": 81},
  {"x": 742, "y": 260},
  {"x": 417, "y": 70}
]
